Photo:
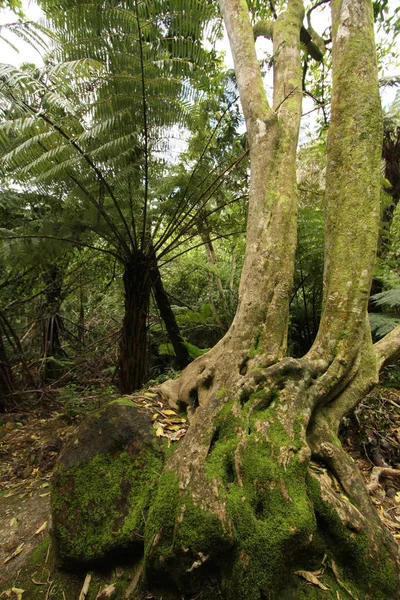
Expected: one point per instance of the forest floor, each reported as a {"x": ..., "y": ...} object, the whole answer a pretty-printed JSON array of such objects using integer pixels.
[{"x": 31, "y": 441}]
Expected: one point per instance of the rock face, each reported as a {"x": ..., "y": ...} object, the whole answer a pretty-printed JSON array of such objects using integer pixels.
[{"x": 103, "y": 483}]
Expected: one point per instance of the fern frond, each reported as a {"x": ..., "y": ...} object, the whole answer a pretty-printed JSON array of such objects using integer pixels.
[{"x": 390, "y": 298}]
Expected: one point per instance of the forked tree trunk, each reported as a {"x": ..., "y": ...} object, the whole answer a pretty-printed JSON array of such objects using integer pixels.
[
  {"x": 133, "y": 363},
  {"x": 260, "y": 487}
]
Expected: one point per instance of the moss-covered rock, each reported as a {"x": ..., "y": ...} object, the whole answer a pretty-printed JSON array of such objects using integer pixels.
[{"x": 104, "y": 482}]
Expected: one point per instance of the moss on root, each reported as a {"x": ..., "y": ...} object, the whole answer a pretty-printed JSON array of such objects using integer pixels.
[
  {"x": 272, "y": 516},
  {"x": 180, "y": 535},
  {"x": 370, "y": 572}
]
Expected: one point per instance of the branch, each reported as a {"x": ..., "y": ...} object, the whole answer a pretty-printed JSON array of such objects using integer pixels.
[
  {"x": 60, "y": 239},
  {"x": 387, "y": 350},
  {"x": 217, "y": 237},
  {"x": 185, "y": 200},
  {"x": 99, "y": 174}
]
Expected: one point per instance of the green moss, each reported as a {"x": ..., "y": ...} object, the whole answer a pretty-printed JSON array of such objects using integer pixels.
[
  {"x": 264, "y": 398},
  {"x": 353, "y": 549},
  {"x": 162, "y": 514},
  {"x": 123, "y": 402},
  {"x": 178, "y": 532},
  {"x": 102, "y": 503}
]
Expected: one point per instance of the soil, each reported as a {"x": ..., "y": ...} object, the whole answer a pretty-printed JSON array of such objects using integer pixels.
[
  {"x": 29, "y": 447},
  {"x": 31, "y": 442}
]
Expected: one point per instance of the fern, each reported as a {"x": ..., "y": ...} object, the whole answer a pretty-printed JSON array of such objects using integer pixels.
[
  {"x": 382, "y": 324},
  {"x": 389, "y": 298}
]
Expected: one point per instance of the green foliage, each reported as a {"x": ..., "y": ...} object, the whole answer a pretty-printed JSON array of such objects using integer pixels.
[
  {"x": 14, "y": 5},
  {"x": 383, "y": 322}
]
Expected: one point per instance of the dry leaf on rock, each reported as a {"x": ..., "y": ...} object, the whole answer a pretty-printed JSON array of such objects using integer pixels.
[
  {"x": 308, "y": 576},
  {"x": 15, "y": 553},
  {"x": 41, "y": 528}
]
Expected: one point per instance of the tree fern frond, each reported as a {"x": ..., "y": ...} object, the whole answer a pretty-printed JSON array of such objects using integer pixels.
[
  {"x": 390, "y": 298},
  {"x": 382, "y": 324}
]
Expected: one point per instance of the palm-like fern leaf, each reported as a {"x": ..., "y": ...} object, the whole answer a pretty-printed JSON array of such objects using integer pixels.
[{"x": 95, "y": 120}]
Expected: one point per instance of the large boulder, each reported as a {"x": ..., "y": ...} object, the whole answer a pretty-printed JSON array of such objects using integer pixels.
[{"x": 103, "y": 483}]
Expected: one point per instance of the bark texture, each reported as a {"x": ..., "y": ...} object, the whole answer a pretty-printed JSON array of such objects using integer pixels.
[{"x": 133, "y": 345}]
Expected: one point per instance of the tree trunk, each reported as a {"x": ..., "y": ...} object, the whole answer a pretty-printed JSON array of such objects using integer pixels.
[
  {"x": 133, "y": 363},
  {"x": 167, "y": 315},
  {"x": 260, "y": 490},
  {"x": 52, "y": 323},
  {"x": 6, "y": 376},
  {"x": 204, "y": 232}
]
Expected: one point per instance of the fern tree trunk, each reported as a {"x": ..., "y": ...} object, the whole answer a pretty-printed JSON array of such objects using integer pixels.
[
  {"x": 6, "y": 375},
  {"x": 133, "y": 362},
  {"x": 52, "y": 323},
  {"x": 260, "y": 487}
]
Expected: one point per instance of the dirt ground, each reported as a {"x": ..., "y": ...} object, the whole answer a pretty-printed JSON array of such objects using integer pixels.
[{"x": 29, "y": 447}]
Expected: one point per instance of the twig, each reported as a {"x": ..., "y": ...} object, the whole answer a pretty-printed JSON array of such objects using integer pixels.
[
  {"x": 291, "y": 93},
  {"x": 135, "y": 581},
  {"x": 49, "y": 590},
  {"x": 47, "y": 554},
  {"x": 85, "y": 587}
]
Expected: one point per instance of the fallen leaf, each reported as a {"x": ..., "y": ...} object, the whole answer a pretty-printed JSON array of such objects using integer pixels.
[
  {"x": 106, "y": 593},
  {"x": 169, "y": 412},
  {"x": 44, "y": 495},
  {"x": 160, "y": 432},
  {"x": 85, "y": 587},
  {"x": 154, "y": 417},
  {"x": 311, "y": 579},
  {"x": 41, "y": 528},
  {"x": 13, "y": 522},
  {"x": 18, "y": 591},
  {"x": 15, "y": 553}
]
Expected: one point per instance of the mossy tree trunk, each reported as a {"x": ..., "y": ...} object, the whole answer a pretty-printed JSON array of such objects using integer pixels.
[{"x": 260, "y": 487}]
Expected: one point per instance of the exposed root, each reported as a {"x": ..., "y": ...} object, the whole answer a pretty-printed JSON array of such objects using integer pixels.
[{"x": 391, "y": 475}]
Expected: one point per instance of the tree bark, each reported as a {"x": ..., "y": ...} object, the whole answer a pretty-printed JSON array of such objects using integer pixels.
[
  {"x": 6, "y": 376},
  {"x": 133, "y": 363},
  {"x": 52, "y": 323}
]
